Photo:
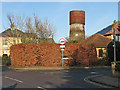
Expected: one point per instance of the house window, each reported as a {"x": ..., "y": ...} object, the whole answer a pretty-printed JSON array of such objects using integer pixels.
[
  {"x": 5, "y": 42},
  {"x": 100, "y": 53},
  {"x": 5, "y": 52},
  {"x": 14, "y": 41}
]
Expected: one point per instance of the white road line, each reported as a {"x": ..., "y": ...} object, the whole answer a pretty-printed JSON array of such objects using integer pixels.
[
  {"x": 93, "y": 72},
  {"x": 13, "y": 79},
  {"x": 41, "y": 88}
]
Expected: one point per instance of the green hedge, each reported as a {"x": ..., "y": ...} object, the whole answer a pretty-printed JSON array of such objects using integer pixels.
[
  {"x": 6, "y": 60},
  {"x": 117, "y": 66}
]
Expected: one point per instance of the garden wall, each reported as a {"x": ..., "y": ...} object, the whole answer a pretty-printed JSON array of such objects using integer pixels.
[{"x": 49, "y": 55}]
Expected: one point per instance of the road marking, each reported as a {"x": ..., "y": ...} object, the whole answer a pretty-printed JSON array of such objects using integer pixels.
[
  {"x": 41, "y": 88},
  {"x": 93, "y": 72},
  {"x": 86, "y": 79},
  {"x": 13, "y": 79},
  {"x": 67, "y": 76},
  {"x": 86, "y": 67}
]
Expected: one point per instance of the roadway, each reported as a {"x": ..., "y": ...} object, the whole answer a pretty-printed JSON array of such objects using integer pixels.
[{"x": 73, "y": 78}]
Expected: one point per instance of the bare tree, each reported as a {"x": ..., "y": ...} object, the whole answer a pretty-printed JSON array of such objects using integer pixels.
[
  {"x": 14, "y": 31},
  {"x": 10, "y": 18},
  {"x": 19, "y": 21},
  {"x": 67, "y": 39},
  {"x": 45, "y": 29},
  {"x": 33, "y": 26},
  {"x": 29, "y": 26}
]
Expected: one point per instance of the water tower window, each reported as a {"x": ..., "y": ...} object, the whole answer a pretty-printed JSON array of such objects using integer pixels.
[{"x": 76, "y": 34}]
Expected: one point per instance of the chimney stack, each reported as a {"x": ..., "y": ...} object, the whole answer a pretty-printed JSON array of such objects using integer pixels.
[{"x": 12, "y": 26}]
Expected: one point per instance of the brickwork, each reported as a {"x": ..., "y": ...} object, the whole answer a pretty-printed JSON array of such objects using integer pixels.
[
  {"x": 49, "y": 55},
  {"x": 77, "y": 22},
  {"x": 77, "y": 17}
]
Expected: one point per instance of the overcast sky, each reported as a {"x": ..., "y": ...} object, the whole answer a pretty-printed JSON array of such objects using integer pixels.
[{"x": 98, "y": 15}]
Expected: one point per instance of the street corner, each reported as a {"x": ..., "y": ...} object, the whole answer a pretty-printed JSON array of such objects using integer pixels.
[{"x": 103, "y": 81}]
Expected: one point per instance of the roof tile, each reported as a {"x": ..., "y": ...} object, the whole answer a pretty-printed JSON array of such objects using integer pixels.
[{"x": 97, "y": 40}]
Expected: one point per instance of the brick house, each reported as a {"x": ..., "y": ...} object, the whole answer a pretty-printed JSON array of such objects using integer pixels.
[
  {"x": 13, "y": 36},
  {"x": 8, "y": 38},
  {"x": 102, "y": 38}
]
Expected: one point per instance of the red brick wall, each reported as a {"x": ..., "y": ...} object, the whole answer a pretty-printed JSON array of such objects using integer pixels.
[
  {"x": 77, "y": 17},
  {"x": 50, "y": 55}
]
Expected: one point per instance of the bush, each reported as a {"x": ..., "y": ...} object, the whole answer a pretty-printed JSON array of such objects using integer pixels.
[
  {"x": 6, "y": 60},
  {"x": 117, "y": 66},
  {"x": 50, "y": 55},
  {"x": 101, "y": 62},
  {"x": 24, "y": 39}
]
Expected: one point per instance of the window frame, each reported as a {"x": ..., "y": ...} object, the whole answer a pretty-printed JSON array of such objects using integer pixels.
[
  {"x": 100, "y": 52},
  {"x": 4, "y": 42}
]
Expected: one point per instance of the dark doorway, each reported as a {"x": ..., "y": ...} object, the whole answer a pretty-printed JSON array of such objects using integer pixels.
[
  {"x": 5, "y": 55},
  {"x": 110, "y": 50}
]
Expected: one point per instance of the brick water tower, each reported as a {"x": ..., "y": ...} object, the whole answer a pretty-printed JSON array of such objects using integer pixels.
[{"x": 77, "y": 22}]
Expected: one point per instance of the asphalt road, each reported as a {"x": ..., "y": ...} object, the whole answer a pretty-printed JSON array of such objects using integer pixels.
[{"x": 73, "y": 78}]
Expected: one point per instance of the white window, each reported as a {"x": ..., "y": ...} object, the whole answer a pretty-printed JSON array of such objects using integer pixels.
[
  {"x": 5, "y": 43},
  {"x": 14, "y": 41}
]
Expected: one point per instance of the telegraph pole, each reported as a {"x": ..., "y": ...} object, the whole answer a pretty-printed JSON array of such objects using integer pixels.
[
  {"x": 114, "y": 45},
  {"x": 62, "y": 57}
]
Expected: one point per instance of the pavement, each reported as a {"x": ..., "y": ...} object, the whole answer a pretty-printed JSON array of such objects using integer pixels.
[
  {"x": 53, "y": 68},
  {"x": 104, "y": 81}
]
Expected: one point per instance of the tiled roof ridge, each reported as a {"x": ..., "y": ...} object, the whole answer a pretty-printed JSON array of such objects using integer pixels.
[
  {"x": 104, "y": 36},
  {"x": 91, "y": 36},
  {"x": 94, "y": 40},
  {"x": 116, "y": 26},
  {"x": 17, "y": 30},
  {"x": 10, "y": 29},
  {"x": 98, "y": 34}
]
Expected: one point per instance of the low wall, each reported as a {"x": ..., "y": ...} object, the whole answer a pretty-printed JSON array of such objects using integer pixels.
[{"x": 49, "y": 55}]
